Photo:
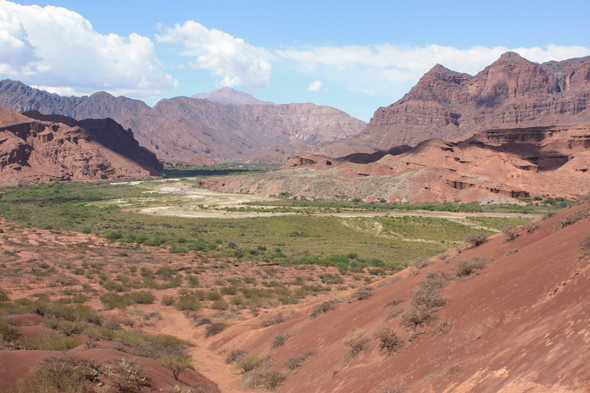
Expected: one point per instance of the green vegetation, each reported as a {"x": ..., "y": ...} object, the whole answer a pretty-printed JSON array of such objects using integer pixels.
[{"x": 498, "y": 222}]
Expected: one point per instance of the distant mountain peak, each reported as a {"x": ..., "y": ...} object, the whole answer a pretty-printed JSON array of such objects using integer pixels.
[{"x": 228, "y": 96}]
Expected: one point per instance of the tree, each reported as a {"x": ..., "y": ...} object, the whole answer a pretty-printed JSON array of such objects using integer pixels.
[{"x": 176, "y": 363}]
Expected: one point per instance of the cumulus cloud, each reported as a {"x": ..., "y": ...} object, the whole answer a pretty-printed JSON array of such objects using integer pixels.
[
  {"x": 407, "y": 64},
  {"x": 316, "y": 86},
  {"x": 370, "y": 92},
  {"x": 237, "y": 62},
  {"x": 57, "y": 48}
]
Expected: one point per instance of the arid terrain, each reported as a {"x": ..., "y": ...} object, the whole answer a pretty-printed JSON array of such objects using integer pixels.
[{"x": 469, "y": 320}]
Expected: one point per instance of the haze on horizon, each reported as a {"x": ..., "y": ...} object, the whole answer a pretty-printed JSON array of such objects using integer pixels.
[{"x": 352, "y": 56}]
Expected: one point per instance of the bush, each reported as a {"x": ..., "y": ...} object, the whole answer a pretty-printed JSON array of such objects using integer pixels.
[
  {"x": 168, "y": 300},
  {"x": 364, "y": 293},
  {"x": 356, "y": 344},
  {"x": 585, "y": 246},
  {"x": 235, "y": 355},
  {"x": 176, "y": 363},
  {"x": 267, "y": 381},
  {"x": 112, "y": 300},
  {"x": 425, "y": 302},
  {"x": 4, "y": 296},
  {"x": 323, "y": 308},
  {"x": 510, "y": 233},
  {"x": 214, "y": 329},
  {"x": 467, "y": 268},
  {"x": 8, "y": 332},
  {"x": 297, "y": 361},
  {"x": 188, "y": 303},
  {"x": 280, "y": 339},
  {"x": 219, "y": 305},
  {"x": 249, "y": 362},
  {"x": 476, "y": 239},
  {"x": 389, "y": 341},
  {"x": 274, "y": 320},
  {"x": 571, "y": 219}
]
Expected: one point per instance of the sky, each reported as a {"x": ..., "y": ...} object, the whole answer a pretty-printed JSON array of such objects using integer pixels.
[{"x": 352, "y": 55}]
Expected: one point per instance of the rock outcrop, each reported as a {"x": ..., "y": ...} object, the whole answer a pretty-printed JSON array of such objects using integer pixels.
[
  {"x": 511, "y": 92},
  {"x": 229, "y": 96},
  {"x": 47, "y": 148},
  {"x": 495, "y": 165}
]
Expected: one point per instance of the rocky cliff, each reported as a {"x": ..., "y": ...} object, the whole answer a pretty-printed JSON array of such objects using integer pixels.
[
  {"x": 47, "y": 148},
  {"x": 511, "y": 92}
]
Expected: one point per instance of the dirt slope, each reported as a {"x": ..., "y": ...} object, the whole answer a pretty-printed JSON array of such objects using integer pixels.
[{"x": 519, "y": 324}]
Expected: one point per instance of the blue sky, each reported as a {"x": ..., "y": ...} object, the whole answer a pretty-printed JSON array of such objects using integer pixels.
[{"x": 355, "y": 56}]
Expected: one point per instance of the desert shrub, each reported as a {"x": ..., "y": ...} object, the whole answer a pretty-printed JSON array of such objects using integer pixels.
[
  {"x": 213, "y": 296},
  {"x": 356, "y": 343},
  {"x": 418, "y": 264},
  {"x": 468, "y": 267},
  {"x": 80, "y": 298},
  {"x": 188, "y": 303},
  {"x": 204, "y": 321},
  {"x": 112, "y": 300},
  {"x": 249, "y": 362},
  {"x": 219, "y": 305},
  {"x": 66, "y": 327},
  {"x": 235, "y": 355},
  {"x": 229, "y": 290},
  {"x": 417, "y": 316},
  {"x": 4, "y": 296},
  {"x": 331, "y": 279},
  {"x": 8, "y": 332},
  {"x": 364, "y": 293},
  {"x": 585, "y": 246},
  {"x": 142, "y": 297},
  {"x": 124, "y": 375},
  {"x": 62, "y": 343},
  {"x": 193, "y": 281},
  {"x": 510, "y": 233},
  {"x": 280, "y": 339},
  {"x": 297, "y": 361},
  {"x": 323, "y": 308},
  {"x": 394, "y": 302},
  {"x": 476, "y": 239},
  {"x": 177, "y": 363},
  {"x": 425, "y": 302},
  {"x": 389, "y": 341},
  {"x": 274, "y": 320},
  {"x": 146, "y": 345},
  {"x": 168, "y": 300},
  {"x": 531, "y": 226},
  {"x": 511, "y": 251},
  {"x": 62, "y": 373},
  {"x": 570, "y": 219},
  {"x": 267, "y": 381},
  {"x": 214, "y": 329}
]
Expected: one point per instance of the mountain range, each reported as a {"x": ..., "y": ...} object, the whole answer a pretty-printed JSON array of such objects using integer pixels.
[{"x": 181, "y": 128}]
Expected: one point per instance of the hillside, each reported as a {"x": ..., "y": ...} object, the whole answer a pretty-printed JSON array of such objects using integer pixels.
[
  {"x": 229, "y": 96},
  {"x": 47, "y": 148}
]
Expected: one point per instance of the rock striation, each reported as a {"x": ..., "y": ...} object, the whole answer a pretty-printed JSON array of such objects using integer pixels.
[{"x": 48, "y": 148}]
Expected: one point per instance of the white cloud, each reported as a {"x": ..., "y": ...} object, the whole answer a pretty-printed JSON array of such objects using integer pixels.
[
  {"x": 237, "y": 62},
  {"x": 370, "y": 92},
  {"x": 316, "y": 86},
  {"x": 408, "y": 64},
  {"x": 58, "y": 49}
]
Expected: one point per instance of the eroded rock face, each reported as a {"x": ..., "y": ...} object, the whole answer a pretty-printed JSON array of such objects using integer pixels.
[
  {"x": 35, "y": 148},
  {"x": 511, "y": 92},
  {"x": 485, "y": 166},
  {"x": 180, "y": 128}
]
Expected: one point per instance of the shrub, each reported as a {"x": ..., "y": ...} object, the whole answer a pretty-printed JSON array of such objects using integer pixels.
[
  {"x": 510, "y": 233},
  {"x": 168, "y": 300},
  {"x": 531, "y": 226},
  {"x": 280, "y": 339},
  {"x": 476, "y": 239},
  {"x": 142, "y": 297},
  {"x": 571, "y": 219},
  {"x": 466, "y": 268},
  {"x": 8, "y": 332},
  {"x": 188, "y": 303},
  {"x": 356, "y": 344},
  {"x": 425, "y": 302},
  {"x": 323, "y": 308},
  {"x": 193, "y": 281},
  {"x": 235, "y": 355},
  {"x": 177, "y": 363},
  {"x": 124, "y": 375},
  {"x": 249, "y": 362},
  {"x": 364, "y": 293},
  {"x": 267, "y": 381},
  {"x": 214, "y": 329},
  {"x": 274, "y": 320},
  {"x": 389, "y": 341},
  {"x": 4, "y": 296},
  {"x": 297, "y": 361},
  {"x": 585, "y": 246},
  {"x": 219, "y": 305}
]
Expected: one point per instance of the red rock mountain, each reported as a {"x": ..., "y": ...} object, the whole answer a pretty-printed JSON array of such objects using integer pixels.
[
  {"x": 39, "y": 147},
  {"x": 181, "y": 128},
  {"x": 511, "y": 92}
]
